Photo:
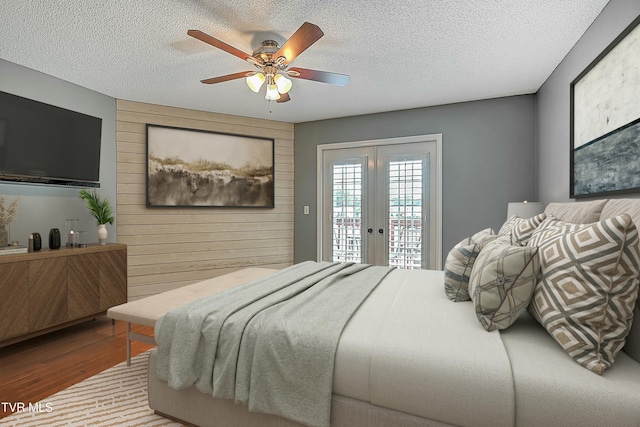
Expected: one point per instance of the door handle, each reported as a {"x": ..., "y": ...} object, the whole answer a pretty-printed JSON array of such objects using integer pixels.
[
  {"x": 380, "y": 230},
  {"x": 369, "y": 230}
]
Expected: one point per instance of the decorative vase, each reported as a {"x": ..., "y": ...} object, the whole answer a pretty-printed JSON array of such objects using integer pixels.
[
  {"x": 37, "y": 242},
  {"x": 102, "y": 234},
  {"x": 54, "y": 238},
  {"x": 4, "y": 236}
]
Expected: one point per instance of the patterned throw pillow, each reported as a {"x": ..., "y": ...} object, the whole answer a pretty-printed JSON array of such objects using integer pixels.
[
  {"x": 588, "y": 286},
  {"x": 502, "y": 282},
  {"x": 459, "y": 263},
  {"x": 521, "y": 229}
]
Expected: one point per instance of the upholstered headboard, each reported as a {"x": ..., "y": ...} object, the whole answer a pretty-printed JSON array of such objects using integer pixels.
[
  {"x": 587, "y": 212},
  {"x": 631, "y": 207},
  {"x": 578, "y": 213}
]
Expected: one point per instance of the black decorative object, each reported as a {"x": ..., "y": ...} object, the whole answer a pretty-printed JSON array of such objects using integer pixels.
[
  {"x": 37, "y": 242},
  {"x": 54, "y": 238}
]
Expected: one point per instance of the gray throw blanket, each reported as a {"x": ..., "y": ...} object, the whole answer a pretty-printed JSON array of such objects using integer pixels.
[{"x": 270, "y": 343}]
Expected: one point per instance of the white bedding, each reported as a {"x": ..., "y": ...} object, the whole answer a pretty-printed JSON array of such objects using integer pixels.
[
  {"x": 554, "y": 390},
  {"x": 409, "y": 349}
]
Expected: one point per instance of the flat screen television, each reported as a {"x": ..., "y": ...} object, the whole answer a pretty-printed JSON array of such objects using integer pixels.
[{"x": 44, "y": 144}]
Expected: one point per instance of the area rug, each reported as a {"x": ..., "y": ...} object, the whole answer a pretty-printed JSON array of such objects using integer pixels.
[{"x": 114, "y": 397}]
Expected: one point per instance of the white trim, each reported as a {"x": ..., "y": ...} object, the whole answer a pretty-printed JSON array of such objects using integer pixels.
[{"x": 437, "y": 137}]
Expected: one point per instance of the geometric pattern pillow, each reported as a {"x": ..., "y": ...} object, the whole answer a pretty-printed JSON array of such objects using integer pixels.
[
  {"x": 459, "y": 263},
  {"x": 588, "y": 287},
  {"x": 521, "y": 229},
  {"x": 505, "y": 230},
  {"x": 551, "y": 222},
  {"x": 502, "y": 282}
]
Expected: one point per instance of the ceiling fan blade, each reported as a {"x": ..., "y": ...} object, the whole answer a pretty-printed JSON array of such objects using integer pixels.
[
  {"x": 220, "y": 45},
  {"x": 304, "y": 37},
  {"x": 225, "y": 78},
  {"x": 284, "y": 97},
  {"x": 319, "y": 76}
]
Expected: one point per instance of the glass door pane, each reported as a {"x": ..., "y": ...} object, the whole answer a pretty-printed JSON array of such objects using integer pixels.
[
  {"x": 346, "y": 203},
  {"x": 405, "y": 193},
  {"x": 404, "y": 185},
  {"x": 346, "y": 213}
]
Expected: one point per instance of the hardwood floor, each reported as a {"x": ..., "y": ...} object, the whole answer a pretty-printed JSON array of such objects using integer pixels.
[{"x": 37, "y": 368}]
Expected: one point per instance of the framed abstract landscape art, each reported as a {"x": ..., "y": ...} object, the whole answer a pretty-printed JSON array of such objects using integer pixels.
[
  {"x": 605, "y": 121},
  {"x": 189, "y": 168}
]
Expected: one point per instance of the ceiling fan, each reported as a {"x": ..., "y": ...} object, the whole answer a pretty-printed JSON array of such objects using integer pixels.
[{"x": 273, "y": 62}]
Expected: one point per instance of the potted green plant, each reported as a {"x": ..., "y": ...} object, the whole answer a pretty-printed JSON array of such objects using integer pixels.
[{"x": 101, "y": 210}]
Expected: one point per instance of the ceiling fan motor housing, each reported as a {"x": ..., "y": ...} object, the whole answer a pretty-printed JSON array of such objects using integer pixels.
[{"x": 264, "y": 55}]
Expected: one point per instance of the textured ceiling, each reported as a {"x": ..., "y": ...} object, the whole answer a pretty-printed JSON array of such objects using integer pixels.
[{"x": 399, "y": 54}]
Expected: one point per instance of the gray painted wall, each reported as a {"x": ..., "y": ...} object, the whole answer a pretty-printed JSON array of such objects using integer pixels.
[
  {"x": 488, "y": 160},
  {"x": 488, "y": 146},
  {"x": 552, "y": 110},
  {"x": 44, "y": 207}
]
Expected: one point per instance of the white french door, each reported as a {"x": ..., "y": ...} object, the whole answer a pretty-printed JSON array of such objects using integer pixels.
[{"x": 379, "y": 204}]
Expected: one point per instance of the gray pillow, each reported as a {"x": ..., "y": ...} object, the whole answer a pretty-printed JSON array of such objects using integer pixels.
[{"x": 459, "y": 263}]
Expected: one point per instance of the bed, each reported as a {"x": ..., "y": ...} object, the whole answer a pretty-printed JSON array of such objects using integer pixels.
[{"x": 409, "y": 356}]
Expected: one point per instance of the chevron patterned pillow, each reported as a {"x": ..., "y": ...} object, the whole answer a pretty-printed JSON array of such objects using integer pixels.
[
  {"x": 521, "y": 229},
  {"x": 502, "y": 282},
  {"x": 588, "y": 286}
]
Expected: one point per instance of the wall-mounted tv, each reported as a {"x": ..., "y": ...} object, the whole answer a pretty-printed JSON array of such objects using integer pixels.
[{"x": 44, "y": 144}]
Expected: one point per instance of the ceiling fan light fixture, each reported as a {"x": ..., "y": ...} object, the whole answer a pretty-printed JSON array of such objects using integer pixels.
[
  {"x": 273, "y": 61},
  {"x": 283, "y": 83},
  {"x": 255, "y": 81},
  {"x": 272, "y": 93}
]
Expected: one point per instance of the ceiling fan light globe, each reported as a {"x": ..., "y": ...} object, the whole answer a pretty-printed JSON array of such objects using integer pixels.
[
  {"x": 255, "y": 81},
  {"x": 272, "y": 93},
  {"x": 283, "y": 83}
]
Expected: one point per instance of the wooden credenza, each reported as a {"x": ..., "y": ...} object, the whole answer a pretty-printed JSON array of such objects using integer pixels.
[{"x": 51, "y": 289}]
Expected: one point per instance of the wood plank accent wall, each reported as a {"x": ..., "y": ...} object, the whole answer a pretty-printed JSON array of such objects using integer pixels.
[{"x": 173, "y": 247}]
